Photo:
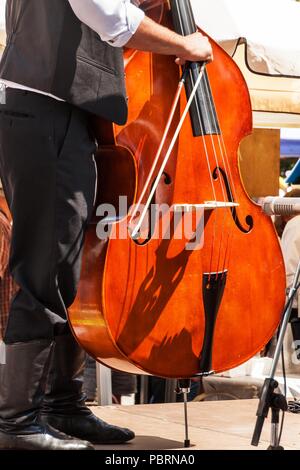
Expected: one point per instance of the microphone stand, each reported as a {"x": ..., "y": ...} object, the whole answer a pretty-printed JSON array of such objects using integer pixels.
[{"x": 268, "y": 397}]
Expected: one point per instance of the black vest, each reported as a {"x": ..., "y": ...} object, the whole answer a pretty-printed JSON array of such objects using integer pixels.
[{"x": 49, "y": 49}]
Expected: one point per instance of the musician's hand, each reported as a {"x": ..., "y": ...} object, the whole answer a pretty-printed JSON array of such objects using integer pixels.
[{"x": 196, "y": 48}]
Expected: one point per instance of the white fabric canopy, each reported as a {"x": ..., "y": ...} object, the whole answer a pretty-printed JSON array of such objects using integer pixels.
[
  {"x": 270, "y": 29},
  {"x": 263, "y": 36}
]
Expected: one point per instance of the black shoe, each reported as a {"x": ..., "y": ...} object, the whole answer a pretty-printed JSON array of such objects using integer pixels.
[
  {"x": 64, "y": 402},
  {"x": 47, "y": 439},
  {"x": 22, "y": 388},
  {"x": 89, "y": 427}
]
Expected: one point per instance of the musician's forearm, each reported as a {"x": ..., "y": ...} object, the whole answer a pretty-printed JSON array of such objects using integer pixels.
[{"x": 151, "y": 36}]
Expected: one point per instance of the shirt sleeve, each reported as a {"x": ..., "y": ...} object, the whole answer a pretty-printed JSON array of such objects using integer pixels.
[{"x": 114, "y": 20}]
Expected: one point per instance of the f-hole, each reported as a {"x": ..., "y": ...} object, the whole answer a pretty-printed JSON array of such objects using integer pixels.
[{"x": 248, "y": 219}]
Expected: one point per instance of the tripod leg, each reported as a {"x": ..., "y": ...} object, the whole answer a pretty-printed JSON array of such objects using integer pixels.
[
  {"x": 274, "y": 431},
  {"x": 184, "y": 387}
]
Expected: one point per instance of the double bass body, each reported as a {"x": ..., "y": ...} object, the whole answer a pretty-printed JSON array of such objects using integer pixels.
[{"x": 156, "y": 307}]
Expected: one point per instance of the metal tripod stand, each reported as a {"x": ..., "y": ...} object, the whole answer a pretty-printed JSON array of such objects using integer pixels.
[{"x": 269, "y": 398}]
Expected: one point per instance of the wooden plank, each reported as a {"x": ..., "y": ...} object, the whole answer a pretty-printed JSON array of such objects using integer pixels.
[{"x": 213, "y": 426}]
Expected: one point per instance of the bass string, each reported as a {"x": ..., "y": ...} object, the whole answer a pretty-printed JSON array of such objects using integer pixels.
[
  {"x": 216, "y": 159},
  {"x": 212, "y": 187},
  {"x": 218, "y": 224},
  {"x": 227, "y": 168},
  {"x": 223, "y": 217}
]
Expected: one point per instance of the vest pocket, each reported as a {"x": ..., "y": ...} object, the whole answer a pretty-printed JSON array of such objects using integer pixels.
[
  {"x": 93, "y": 63},
  {"x": 98, "y": 89}
]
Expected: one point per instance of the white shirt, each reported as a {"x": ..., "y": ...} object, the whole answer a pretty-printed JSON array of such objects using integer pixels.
[
  {"x": 290, "y": 244},
  {"x": 114, "y": 20}
]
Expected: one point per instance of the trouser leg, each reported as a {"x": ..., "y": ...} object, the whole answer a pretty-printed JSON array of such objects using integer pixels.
[
  {"x": 48, "y": 174},
  {"x": 64, "y": 394}
]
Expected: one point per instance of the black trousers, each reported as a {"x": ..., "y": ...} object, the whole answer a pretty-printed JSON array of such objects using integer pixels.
[{"x": 48, "y": 175}]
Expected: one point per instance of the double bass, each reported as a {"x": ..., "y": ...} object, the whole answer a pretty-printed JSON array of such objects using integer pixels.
[{"x": 146, "y": 304}]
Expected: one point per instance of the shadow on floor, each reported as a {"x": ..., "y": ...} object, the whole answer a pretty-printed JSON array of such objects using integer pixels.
[{"x": 145, "y": 443}]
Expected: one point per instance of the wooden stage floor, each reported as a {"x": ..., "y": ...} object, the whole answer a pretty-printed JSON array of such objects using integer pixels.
[{"x": 213, "y": 425}]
